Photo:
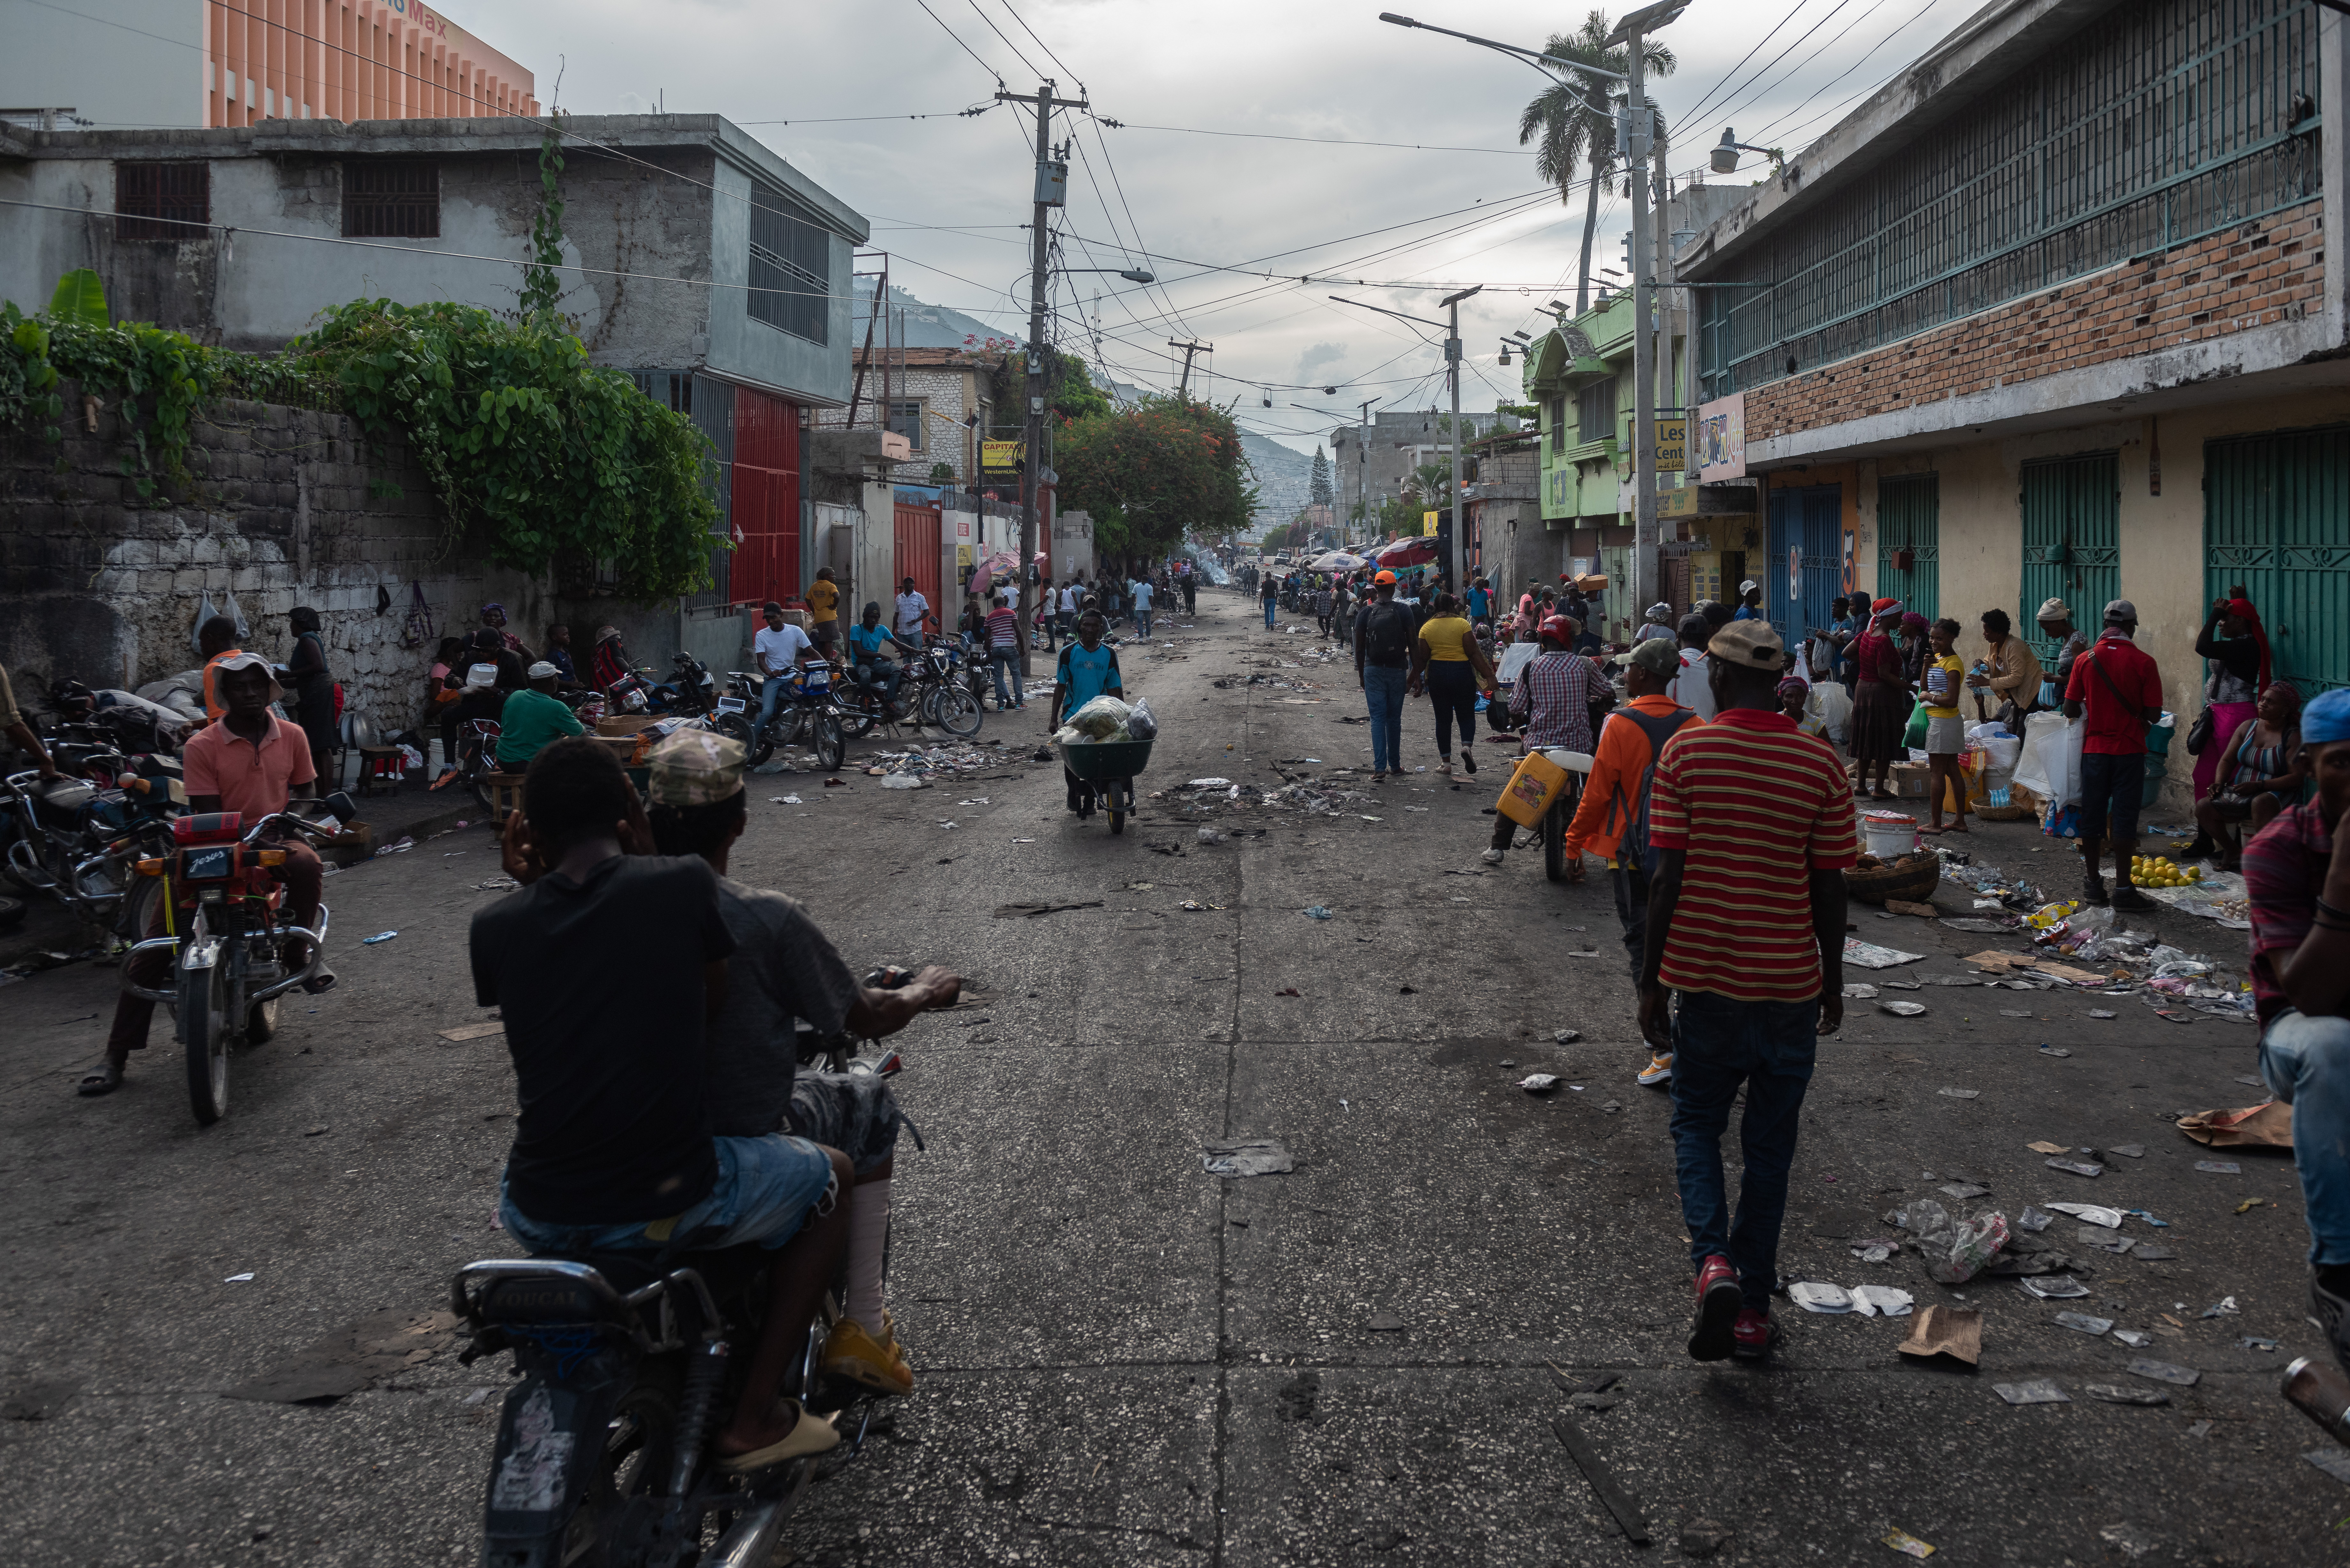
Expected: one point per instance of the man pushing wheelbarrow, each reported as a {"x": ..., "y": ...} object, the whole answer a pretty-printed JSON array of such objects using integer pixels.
[{"x": 1103, "y": 769}]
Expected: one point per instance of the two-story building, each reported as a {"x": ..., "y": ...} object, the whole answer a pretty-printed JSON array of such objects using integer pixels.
[
  {"x": 693, "y": 258},
  {"x": 2055, "y": 314}
]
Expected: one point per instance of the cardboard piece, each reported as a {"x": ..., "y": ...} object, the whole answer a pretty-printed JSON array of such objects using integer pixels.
[
  {"x": 473, "y": 1032},
  {"x": 2268, "y": 1125},
  {"x": 1954, "y": 1332},
  {"x": 1903, "y": 906}
]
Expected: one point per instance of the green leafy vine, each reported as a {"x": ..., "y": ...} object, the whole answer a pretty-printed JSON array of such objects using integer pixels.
[{"x": 541, "y": 287}]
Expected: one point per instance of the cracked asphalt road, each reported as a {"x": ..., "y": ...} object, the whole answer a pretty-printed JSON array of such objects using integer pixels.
[{"x": 1123, "y": 1360}]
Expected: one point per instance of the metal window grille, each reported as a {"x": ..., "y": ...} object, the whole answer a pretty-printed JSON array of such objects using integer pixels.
[
  {"x": 2072, "y": 542},
  {"x": 791, "y": 266},
  {"x": 1909, "y": 541},
  {"x": 2276, "y": 524},
  {"x": 391, "y": 198},
  {"x": 162, "y": 201},
  {"x": 1594, "y": 412},
  {"x": 2156, "y": 125}
]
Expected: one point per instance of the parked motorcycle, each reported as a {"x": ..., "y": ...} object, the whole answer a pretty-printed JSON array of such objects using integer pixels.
[
  {"x": 75, "y": 838},
  {"x": 806, "y": 716},
  {"x": 627, "y": 1364},
  {"x": 227, "y": 939},
  {"x": 690, "y": 689}
]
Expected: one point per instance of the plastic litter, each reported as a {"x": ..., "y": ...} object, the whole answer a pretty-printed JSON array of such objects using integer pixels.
[
  {"x": 2137, "y": 1339},
  {"x": 2225, "y": 1307},
  {"x": 2111, "y": 1219},
  {"x": 1874, "y": 1252},
  {"x": 2032, "y": 1391},
  {"x": 903, "y": 781},
  {"x": 1955, "y": 1247},
  {"x": 2128, "y": 1150},
  {"x": 1248, "y": 1157},
  {"x": 1868, "y": 955},
  {"x": 2253, "y": 1342},
  {"x": 2166, "y": 1372},
  {"x": 2083, "y": 1322},
  {"x": 2077, "y": 1167},
  {"x": 2051, "y": 1287},
  {"x": 1539, "y": 1082},
  {"x": 238, "y": 1280},
  {"x": 1961, "y": 1095},
  {"x": 1860, "y": 992},
  {"x": 2219, "y": 1167},
  {"x": 1902, "y": 1541},
  {"x": 1872, "y": 1300},
  {"x": 1813, "y": 1297},
  {"x": 1902, "y": 1009},
  {"x": 1317, "y": 912},
  {"x": 1566, "y": 1036},
  {"x": 2031, "y": 1218},
  {"x": 379, "y": 937}
]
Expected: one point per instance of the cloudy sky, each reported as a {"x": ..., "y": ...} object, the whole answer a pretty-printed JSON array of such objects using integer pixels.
[{"x": 1299, "y": 138}]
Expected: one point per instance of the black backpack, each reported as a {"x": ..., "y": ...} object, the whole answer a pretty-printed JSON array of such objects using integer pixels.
[{"x": 1386, "y": 635}]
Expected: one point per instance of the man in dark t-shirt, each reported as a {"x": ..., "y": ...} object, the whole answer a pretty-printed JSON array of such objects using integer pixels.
[{"x": 612, "y": 1147}]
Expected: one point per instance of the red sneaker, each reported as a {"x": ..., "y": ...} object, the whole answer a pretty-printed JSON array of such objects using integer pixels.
[
  {"x": 1753, "y": 1335},
  {"x": 1718, "y": 1300}
]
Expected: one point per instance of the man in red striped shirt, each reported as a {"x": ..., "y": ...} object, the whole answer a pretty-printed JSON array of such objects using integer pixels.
[{"x": 1753, "y": 823}]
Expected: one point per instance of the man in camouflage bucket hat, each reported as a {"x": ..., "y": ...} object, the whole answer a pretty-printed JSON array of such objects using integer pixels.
[{"x": 785, "y": 969}]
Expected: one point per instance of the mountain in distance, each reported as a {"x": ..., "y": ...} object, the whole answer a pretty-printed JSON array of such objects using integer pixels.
[
  {"x": 1284, "y": 479},
  {"x": 925, "y": 326}
]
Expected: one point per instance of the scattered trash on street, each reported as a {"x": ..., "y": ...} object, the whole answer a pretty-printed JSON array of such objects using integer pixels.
[
  {"x": 1249, "y": 1157},
  {"x": 1902, "y": 1541},
  {"x": 2032, "y": 1391},
  {"x": 1901, "y": 1009},
  {"x": 238, "y": 1280},
  {"x": 1955, "y": 1332},
  {"x": 2165, "y": 1371},
  {"x": 2083, "y": 1322},
  {"x": 379, "y": 937},
  {"x": 1566, "y": 1036},
  {"x": 1317, "y": 912},
  {"x": 1539, "y": 1082}
]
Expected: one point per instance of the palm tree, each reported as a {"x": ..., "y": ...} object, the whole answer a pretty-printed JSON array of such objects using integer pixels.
[{"x": 1574, "y": 119}]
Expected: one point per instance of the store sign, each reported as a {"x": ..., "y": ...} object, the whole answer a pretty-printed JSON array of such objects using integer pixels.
[
  {"x": 1000, "y": 456},
  {"x": 1794, "y": 575},
  {"x": 1678, "y": 502},
  {"x": 1722, "y": 438},
  {"x": 1428, "y": 523},
  {"x": 1672, "y": 445}
]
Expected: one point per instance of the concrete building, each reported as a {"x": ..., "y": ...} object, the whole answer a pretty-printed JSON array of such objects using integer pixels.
[
  {"x": 938, "y": 401},
  {"x": 189, "y": 64},
  {"x": 2054, "y": 315},
  {"x": 1374, "y": 460},
  {"x": 695, "y": 258}
]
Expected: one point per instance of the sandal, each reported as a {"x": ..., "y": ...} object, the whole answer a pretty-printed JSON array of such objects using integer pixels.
[{"x": 104, "y": 1081}]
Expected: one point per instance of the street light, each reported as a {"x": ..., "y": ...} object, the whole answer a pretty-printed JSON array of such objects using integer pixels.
[
  {"x": 1131, "y": 275},
  {"x": 1725, "y": 152},
  {"x": 1512, "y": 50}
]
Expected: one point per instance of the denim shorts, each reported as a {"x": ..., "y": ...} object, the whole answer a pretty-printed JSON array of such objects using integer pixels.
[{"x": 766, "y": 1189}]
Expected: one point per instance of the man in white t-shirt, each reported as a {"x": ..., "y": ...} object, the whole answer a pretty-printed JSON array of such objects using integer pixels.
[
  {"x": 778, "y": 647},
  {"x": 913, "y": 610},
  {"x": 1692, "y": 688},
  {"x": 1142, "y": 594}
]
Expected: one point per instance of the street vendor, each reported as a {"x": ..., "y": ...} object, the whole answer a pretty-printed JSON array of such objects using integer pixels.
[
  {"x": 2297, "y": 879},
  {"x": 1088, "y": 670}
]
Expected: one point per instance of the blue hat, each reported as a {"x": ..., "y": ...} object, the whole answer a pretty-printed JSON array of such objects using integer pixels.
[{"x": 2326, "y": 719}]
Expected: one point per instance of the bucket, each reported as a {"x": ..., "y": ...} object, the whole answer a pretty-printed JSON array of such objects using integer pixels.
[{"x": 1890, "y": 834}]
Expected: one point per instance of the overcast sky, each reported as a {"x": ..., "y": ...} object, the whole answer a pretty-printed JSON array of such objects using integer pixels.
[{"x": 947, "y": 195}]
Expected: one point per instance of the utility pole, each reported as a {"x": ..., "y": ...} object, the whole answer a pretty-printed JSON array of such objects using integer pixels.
[
  {"x": 1051, "y": 180},
  {"x": 1636, "y": 137},
  {"x": 1363, "y": 467},
  {"x": 1184, "y": 388},
  {"x": 1453, "y": 373}
]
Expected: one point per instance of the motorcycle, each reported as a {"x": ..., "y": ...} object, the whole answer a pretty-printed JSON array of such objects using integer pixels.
[
  {"x": 225, "y": 940},
  {"x": 75, "y": 838},
  {"x": 807, "y": 715},
  {"x": 690, "y": 689},
  {"x": 626, "y": 1363}
]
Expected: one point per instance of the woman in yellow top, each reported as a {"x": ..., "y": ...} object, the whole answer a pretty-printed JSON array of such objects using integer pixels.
[
  {"x": 1447, "y": 663},
  {"x": 823, "y": 612},
  {"x": 1939, "y": 683}
]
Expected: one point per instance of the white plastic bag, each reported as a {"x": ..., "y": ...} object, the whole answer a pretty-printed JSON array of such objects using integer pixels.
[
  {"x": 1140, "y": 723},
  {"x": 1100, "y": 719},
  {"x": 1955, "y": 1246},
  {"x": 2049, "y": 764},
  {"x": 1831, "y": 704}
]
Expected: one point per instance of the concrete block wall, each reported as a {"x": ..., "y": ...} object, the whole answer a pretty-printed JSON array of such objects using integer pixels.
[{"x": 2260, "y": 274}]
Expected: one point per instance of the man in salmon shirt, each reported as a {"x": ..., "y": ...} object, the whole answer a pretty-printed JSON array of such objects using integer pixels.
[{"x": 251, "y": 762}]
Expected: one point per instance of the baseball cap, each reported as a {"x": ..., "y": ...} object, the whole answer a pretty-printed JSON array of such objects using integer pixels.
[
  {"x": 1749, "y": 643},
  {"x": 543, "y": 670},
  {"x": 254, "y": 661},
  {"x": 1384, "y": 577},
  {"x": 2121, "y": 612},
  {"x": 1656, "y": 655},
  {"x": 2054, "y": 609},
  {"x": 696, "y": 767}
]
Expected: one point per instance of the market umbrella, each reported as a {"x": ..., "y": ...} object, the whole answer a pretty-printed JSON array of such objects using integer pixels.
[
  {"x": 1336, "y": 561},
  {"x": 995, "y": 564},
  {"x": 1409, "y": 552}
]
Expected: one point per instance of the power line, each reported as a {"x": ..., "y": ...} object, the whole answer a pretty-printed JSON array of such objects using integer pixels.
[
  {"x": 1007, "y": 42},
  {"x": 1722, "y": 80},
  {"x": 972, "y": 112},
  {"x": 966, "y": 48},
  {"x": 1041, "y": 44},
  {"x": 1318, "y": 140}
]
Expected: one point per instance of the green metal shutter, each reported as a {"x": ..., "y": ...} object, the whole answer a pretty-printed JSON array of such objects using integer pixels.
[
  {"x": 2072, "y": 541},
  {"x": 1909, "y": 517},
  {"x": 2276, "y": 520}
]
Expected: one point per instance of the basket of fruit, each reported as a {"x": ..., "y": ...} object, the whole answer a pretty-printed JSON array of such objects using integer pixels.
[
  {"x": 2161, "y": 871},
  {"x": 1912, "y": 877}
]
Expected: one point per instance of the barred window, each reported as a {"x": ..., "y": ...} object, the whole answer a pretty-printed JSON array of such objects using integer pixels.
[
  {"x": 906, "y": 419},
  {"x": 393, "y": 198},
  {"x": 1594, "y": 411},
  {"x": 791, "y": 266},
  {"x": 162, "y": 201}
]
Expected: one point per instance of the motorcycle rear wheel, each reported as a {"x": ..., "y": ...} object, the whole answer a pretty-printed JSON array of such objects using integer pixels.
[
  {"x": 204, "y": 1024},
  {"x": 634, "y": 1469},
  {"x": 736, "y": 726},
  {"x": 952, "y": 711}
]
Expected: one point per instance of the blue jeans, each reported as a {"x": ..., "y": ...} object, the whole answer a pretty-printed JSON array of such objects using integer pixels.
[
  {"x": 1000, "y": 662},
  {"x": 1719, "y": 1044},
  {"x": 1384, "y": 689},
  {"x": 766, "y": 1189},
  {"x": 1143, "y": 620},
  {"x": 771, "y": 697},
  {"x": 2306, "y": 1062},
  {"x": 1270, "y": 606},
  {"x": 883, "y": 673}
]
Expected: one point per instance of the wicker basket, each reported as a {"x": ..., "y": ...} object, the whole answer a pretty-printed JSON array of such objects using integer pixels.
[{"x": 1912, "y": 877}]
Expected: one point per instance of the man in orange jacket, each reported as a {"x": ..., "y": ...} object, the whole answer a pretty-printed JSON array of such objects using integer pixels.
[{"x": 1612, "y": 821}]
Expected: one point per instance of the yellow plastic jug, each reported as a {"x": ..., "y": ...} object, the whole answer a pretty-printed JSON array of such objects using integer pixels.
[{"x": 1530, "y": 789}]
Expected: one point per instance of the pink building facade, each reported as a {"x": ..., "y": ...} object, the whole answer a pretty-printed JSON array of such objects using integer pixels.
[{"x": 351, "y": 61}]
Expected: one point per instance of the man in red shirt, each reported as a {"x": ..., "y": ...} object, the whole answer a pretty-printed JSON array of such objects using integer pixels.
[
  {"x": 1753, "y": 823},
  {"x": 2116, "y": 685},
  {"x": 253, "y": 763}
]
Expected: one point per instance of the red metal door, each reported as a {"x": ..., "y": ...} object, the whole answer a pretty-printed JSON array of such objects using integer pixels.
[
  {"x": 917, "y": 533},
  {"x": 766, "y": 498}
]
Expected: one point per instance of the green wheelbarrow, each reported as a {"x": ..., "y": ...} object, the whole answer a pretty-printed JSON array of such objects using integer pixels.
[{"x": 1106, "y": 768}]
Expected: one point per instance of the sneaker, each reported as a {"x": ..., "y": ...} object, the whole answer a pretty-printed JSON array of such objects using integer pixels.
[
  {"x": 2330, "y": 1315},
  {"x": 1753, "y": 1335},
  {"x": 2092, "y": 891},
  {"x": 810, "y": 1433},
  {"x": 1659, "y": 1069},
  {"x": 1490, "y": 857},
  {"x": 852, "y": 1353},
  {"x": 2129, "y": 900},
  {"x": 1719, "y": 1302}
]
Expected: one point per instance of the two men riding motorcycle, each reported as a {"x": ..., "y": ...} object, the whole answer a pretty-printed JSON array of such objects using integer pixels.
[{"x": 660, "y": 1103}]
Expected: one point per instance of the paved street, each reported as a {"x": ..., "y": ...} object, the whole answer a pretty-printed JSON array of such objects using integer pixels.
[{"x": 1123, "y": 1360}]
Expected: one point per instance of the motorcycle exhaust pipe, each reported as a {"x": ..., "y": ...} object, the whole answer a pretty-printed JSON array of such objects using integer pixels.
[
  {"x": 2320, "y": 1393},
  {"x": 752, "y": 1542}
]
